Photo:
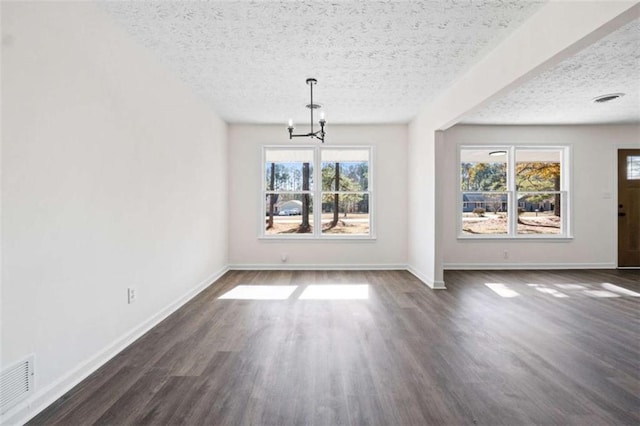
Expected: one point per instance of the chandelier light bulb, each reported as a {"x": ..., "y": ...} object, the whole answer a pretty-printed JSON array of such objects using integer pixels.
[{"x": 291, "y": 122}]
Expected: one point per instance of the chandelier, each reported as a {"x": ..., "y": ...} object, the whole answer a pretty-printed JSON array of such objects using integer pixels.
[{"x": 318, "y": 134}]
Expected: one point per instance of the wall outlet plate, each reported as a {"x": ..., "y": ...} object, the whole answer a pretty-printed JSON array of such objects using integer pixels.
[{"x": 131, "y": 295}]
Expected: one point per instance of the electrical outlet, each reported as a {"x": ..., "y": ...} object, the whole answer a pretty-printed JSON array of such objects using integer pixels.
[
  {"x": 131, "y": 295},
  {"x": 505, "y": 254}
]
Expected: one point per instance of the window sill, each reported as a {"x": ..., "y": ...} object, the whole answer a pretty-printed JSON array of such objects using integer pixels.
[
  {"x": 546, "y": 239},
  {"x": 313, "y": 239}
]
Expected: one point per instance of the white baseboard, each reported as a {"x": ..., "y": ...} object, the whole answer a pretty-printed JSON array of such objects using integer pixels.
[
  {"x": 531, "y": 266},
  {"x": 44, "y": 397},
  {"x": 435, "y": 285},
  {"x": 315, "y": 267},
  {"x": 429, "y": 282}
]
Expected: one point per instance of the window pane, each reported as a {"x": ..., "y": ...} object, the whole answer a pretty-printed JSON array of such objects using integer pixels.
[
  {"x": 633, "y": 167},
  {"x": 538, "y": 170},
  {"x": 345, "y": 169},
  {"x": 289, "y": 188},
  {"x": 539, "y": 213},
  {"x": 288, "y": 176},
  {"x": 483, "y": 170},
  {"x": 350, "y": 155},
  {"x": 348, "y": 177},
  {"x": 292, "y": 214},
  {"x": 485, "y": 213},
  {"x": 277, "y": 155},
  {"x": 351, "y": 216}
]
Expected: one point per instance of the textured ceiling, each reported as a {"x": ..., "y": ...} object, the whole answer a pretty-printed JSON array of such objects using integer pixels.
[
  {"x": 563, "y": 94},
  {"x": 375, "y": 61}
]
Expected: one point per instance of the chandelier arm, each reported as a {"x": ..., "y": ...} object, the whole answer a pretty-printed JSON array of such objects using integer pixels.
[{"x": 318, "y": 135}]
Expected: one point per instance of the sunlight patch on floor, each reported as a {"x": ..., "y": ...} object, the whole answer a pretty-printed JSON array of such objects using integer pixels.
[
  {"x": 336, "y": 292},
  {"x": 620, "y": 290},
  {"x": 551, "y": 291},
  {"x": 571, "y": 286},
  {"x": 591, "y": 290},
  {"x": 260, "y": 292},
  {"x": 502, "y": 290},
  {"x": 600, "y": 293}
]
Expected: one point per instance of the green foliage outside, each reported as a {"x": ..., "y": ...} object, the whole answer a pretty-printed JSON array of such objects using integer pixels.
[
  {"x": 530, "y": 177},
  {"x": 291, "y": 180},
  {"x": 483, "y": 177},
  {"x": 286, "y": 176},
  {"x": 351, "y": 177}
]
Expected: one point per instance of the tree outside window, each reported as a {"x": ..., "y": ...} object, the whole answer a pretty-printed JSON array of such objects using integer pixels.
[
  {"x": 513, "y": 191},
  {"x": 338, "y": 207}
]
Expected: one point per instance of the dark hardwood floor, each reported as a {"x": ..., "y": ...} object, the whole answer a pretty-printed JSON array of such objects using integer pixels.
[{"x": 564, "y": 349}]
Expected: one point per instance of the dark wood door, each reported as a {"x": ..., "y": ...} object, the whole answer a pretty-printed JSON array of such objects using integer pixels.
[{"x": 629, "y": 207}]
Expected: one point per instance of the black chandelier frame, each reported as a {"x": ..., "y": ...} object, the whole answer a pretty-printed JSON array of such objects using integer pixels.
[{"x": 319, "y": 134}]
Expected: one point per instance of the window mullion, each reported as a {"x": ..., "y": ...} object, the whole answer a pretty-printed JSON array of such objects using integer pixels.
[
  {"x": 292, "y": 158},
  {"x": 512, "y": 192},
  {"x": 317, "y": 194},
  {"x": 532, "y": 174}
]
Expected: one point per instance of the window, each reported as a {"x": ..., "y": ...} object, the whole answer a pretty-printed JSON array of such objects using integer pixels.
[
  {"x": 513, "y": 192},
  {"x": 338, "y": 206},
  {"x": 288, "y": 183},
  {"x": 633, "y": 167}
]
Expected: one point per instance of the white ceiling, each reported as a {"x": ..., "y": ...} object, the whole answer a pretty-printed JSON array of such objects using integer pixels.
[
  {"x": 375, "y": 61},
  {"x": 564, "y": 94}
]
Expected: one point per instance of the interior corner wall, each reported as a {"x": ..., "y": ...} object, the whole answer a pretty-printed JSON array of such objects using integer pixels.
[
  {"x": 388, "y": 250},
  {"x": 113, "y": 176},
  {"x": 593, "y": 209}
]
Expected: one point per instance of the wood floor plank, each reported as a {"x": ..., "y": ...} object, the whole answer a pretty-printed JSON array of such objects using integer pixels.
[{"x": 564, "y": 349}]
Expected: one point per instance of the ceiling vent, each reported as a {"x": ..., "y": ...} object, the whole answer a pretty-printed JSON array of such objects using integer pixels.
[
  {"x": 16, "y": 383},
  {"x": 607, "y": 98}
]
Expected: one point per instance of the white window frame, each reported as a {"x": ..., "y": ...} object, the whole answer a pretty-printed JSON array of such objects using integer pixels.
[
  {"x": 316, "y": 194},
  {"x": 512, "y": 193}
]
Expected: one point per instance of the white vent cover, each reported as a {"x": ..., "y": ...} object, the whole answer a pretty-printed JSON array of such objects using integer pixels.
[{"x": 16, "y": 383}]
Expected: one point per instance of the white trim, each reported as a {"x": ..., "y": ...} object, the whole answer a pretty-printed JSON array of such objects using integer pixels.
[
  {"x": 532, "y": 266},
  {"x": 316, "y": 193},
  {"x": 29, "y": 408},
  {"x": 309, "y": 239},
  {"x": 530, "y": 237},
  {"x": 434, "y": 285},
  {"x": 429, "y": 282},
  {"x": 566, "y": 191},
  {"x": 316, "y": 267}
]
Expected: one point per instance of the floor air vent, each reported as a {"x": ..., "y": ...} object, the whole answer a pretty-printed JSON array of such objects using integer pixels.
[{"x": 16, "y": 383}]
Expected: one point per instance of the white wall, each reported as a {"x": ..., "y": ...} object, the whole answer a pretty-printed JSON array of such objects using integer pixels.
[
  {"x": 594, "y": 212},
  {"x": 113, "y": 175},
  {"x": 555, "y": 32},
  {"x": 422, "y": 241},
  {"x": 390, "y": 180}
]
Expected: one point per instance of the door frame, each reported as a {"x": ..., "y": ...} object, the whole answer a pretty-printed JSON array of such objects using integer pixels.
[{"x": 614, "y": 206}]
